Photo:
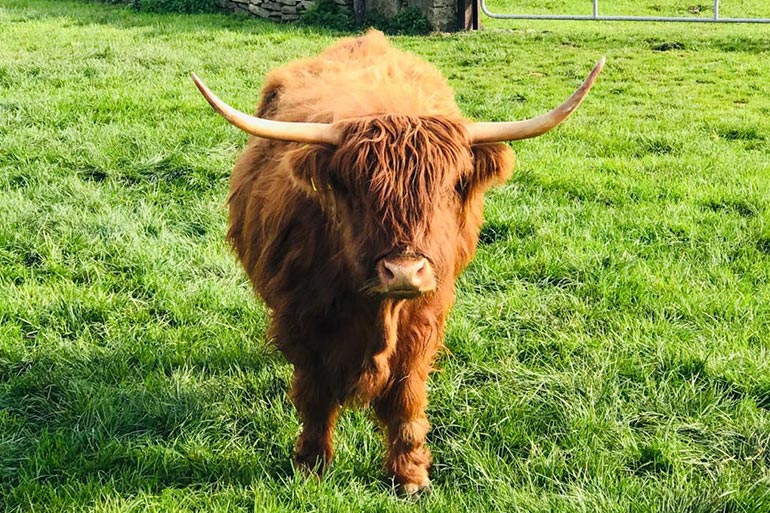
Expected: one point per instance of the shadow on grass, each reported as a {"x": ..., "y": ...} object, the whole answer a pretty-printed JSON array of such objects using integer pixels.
[
  {"x": 70, "y": 421},
  {"x": 71, "y": 432}
]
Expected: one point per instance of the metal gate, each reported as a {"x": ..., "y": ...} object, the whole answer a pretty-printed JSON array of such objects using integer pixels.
[{"x": 597, "y": 17}]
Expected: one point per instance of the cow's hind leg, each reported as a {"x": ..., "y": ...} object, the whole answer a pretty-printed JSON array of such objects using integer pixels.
[
  {"x": 318, "y": 411},
  {"x": 402, "y": 411}
]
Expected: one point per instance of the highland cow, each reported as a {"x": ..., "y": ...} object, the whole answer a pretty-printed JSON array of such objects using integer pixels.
[{"x": 353, "y": 209}]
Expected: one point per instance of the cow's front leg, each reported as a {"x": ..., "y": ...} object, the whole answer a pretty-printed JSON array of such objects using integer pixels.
[
  {"x": 402, "y": 411},
  {"x": 318, "y": 412}
]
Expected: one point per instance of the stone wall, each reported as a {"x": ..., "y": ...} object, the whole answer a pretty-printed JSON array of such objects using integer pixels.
[
  {"x": 442, "y": 14},
  {"x": 276, "y": 10}
]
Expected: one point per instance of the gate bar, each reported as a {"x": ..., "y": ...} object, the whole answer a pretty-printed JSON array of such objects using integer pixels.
[{"x": 596, "y": 17}]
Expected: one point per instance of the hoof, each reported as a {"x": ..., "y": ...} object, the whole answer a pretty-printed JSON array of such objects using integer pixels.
[
  {"x": 310, "y": 464},
  {"x": 414, "y": 490}
]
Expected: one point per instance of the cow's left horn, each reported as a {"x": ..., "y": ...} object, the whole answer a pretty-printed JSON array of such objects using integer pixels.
[
  {"x": 489, "y": 132},
  {"x": 268, "y": 128}
]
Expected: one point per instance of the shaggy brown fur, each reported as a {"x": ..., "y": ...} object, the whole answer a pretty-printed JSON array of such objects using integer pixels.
[{"x": 309, "y": 222}]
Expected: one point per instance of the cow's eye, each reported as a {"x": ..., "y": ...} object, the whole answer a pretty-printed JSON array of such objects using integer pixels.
[
  {"x": 462, "y": 188},
  {"x": 338, "y": 186}
]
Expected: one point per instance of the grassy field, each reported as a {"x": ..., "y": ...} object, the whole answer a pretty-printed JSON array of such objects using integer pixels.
[{"x": 609, "y": 346}]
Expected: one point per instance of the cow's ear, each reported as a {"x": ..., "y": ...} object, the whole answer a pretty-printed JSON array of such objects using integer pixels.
[
  {"x": 492, "y": 165},
  {"x": 311, "y": 167}
]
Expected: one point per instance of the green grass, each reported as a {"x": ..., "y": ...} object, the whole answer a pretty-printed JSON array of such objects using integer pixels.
[{"x": 609, "y": 346}]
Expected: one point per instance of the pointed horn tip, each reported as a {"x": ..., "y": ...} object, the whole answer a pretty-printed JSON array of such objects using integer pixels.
[
  {"x": 198, "y": 83},
  {"x": 588, "y": 83},
  {"x": 599, "y": 66},
  {"x": 210, "y": 97}
]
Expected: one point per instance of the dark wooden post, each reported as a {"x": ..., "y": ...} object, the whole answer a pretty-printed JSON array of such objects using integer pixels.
[
  {"x": 359, "y": 12},
  {"x": 468, "y": 15}
]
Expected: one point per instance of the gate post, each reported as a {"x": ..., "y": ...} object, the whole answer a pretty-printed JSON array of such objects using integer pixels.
[
  {"x": 359, "y": 12},
  {"x": 468, "y": 15}
]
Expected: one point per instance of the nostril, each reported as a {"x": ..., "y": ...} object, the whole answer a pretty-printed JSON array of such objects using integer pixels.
[
  {"x": 404, "y": 274},
  {"x": 387, "y": 271}
]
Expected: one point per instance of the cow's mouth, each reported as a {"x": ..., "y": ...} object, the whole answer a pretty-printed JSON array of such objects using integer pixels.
[{"x": 403, "y": 293}]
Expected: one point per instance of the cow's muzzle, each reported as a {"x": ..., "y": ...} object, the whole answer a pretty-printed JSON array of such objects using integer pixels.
[{"x": 405, "y": 277}]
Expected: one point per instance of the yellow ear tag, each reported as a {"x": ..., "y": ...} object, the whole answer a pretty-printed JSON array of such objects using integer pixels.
[{"x": 315, "y": 189}]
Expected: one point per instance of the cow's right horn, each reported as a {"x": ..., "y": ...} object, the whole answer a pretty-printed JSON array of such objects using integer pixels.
[
  {"x": 269, "y": 129},
  {"x": 480, "y": 133}
]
